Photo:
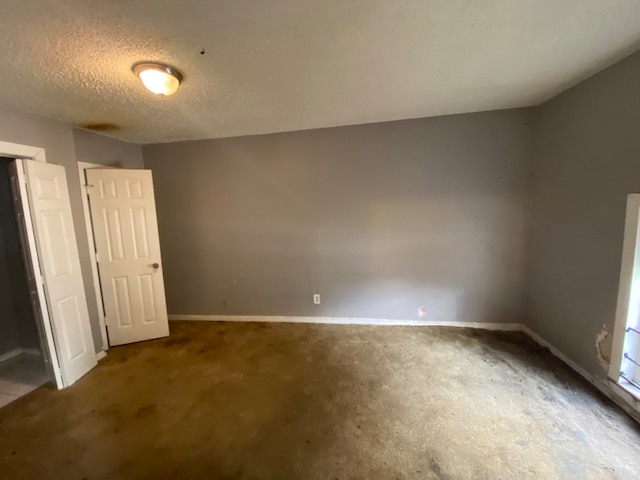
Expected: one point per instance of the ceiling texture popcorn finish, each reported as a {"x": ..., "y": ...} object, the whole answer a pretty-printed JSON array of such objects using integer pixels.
[{"x": 254, "y": 67}]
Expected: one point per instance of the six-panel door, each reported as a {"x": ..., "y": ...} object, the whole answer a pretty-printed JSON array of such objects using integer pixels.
[
  {"x": 62, "y": 278},
  {"x": 126, "y": 233}
]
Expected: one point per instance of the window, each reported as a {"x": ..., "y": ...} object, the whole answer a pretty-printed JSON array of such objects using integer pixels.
[{"x": 625, "y": 357}]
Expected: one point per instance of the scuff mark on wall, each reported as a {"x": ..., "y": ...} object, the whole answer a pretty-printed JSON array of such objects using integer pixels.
[
  {"x": 422, "y": 312},
  {"x": 603, "y": 347}
]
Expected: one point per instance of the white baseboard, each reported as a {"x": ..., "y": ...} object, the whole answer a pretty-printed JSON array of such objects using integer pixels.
[
  {"x": 19, "y": 351},
  {"x": 100, "y": 355},
  {"x": 512, "y": 327},
  {"x": 10, "y": 354},
  {"x": 543, "y": 343},
  {"x": 31, "y": 351},
  {"x": 608, "y": 388}
]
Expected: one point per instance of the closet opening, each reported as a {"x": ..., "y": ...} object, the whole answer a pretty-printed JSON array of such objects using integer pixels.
[{"x": 23, "y": 352}]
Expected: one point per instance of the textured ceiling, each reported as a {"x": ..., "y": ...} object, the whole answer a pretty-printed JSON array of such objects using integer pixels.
[{"x": 281, "y": 65}]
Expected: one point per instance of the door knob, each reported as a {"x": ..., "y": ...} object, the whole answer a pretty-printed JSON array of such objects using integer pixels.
[{"x": 156, "y": 265}]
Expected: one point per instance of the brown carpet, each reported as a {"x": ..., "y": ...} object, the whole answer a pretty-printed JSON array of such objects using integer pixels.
[{"x": 292, "y": 401}]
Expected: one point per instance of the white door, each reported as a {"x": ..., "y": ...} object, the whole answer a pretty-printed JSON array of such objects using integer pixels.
[
  {"x": 60, "y": 267},
  {"x": 32, "y": 267},
  {"x": 123, "y": 211}
]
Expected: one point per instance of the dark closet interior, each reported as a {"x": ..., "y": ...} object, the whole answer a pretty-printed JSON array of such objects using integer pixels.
[{"x": 22, "y": 366}]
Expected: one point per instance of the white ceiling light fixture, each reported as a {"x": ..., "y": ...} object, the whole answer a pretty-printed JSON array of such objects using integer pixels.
[{"x": 158, "y": 78}]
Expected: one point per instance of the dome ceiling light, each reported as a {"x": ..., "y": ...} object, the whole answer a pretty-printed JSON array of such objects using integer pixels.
[{"x": 158, "y": 78}]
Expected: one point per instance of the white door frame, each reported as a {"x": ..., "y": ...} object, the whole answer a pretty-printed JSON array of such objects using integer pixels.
[
  {"x": 82, "y": 166},
  {"x": 621, "y": 369},
  {"x": 24, "y": 152},
  {"x": 28, "y": 152}
]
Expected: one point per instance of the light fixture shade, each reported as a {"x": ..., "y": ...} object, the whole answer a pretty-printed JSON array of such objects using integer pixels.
[{"x": 159, "y": 79}]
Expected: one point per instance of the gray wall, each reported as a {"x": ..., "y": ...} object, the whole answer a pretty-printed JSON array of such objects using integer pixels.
[
  {"x": 94, "y": 148},
  {"x": 586, "y": 161},
  {"x": 60, "y": 141},
  {"x": 379, "y": 219}
]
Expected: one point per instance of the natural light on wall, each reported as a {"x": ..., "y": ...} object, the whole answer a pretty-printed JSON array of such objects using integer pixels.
[
  {"x": 625, "y": 358},
  {"x": 159, "y": 79}
]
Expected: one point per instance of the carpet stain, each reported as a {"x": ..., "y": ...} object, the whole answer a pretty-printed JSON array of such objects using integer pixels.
[
  {"x": 250, "y": 401},
  {"x": 435, "y": 468}
]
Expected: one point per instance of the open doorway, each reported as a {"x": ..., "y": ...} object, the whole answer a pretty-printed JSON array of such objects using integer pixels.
[{"x": 23, "y": 365}]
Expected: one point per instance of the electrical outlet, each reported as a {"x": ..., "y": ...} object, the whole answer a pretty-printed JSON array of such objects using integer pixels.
[{"x": 316, "y": 298}]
